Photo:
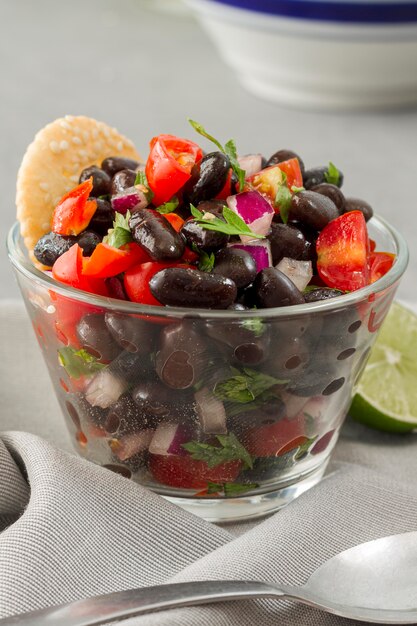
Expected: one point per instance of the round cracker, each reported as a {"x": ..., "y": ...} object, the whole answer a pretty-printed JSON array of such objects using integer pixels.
[{"x": 52, "y": 165}]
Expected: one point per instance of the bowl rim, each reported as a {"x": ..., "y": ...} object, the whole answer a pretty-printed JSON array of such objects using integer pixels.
[{"x": 24, "y": 265}]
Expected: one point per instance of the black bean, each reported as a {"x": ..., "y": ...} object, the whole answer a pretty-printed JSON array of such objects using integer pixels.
[
  {"x": 122, "y": 180},
  {"x": 313, "y": 209},
  {"x": 125, "y": 417},
  {"x": 114, "y": 164},
  {"x": 317, "y": 175},
  {"x": 101, "y": 180},
  {"x": 88, "y": 240},
  {"x": 182, "y": 356},
  {"x": 356, "y": 204},
  {"x": 212, "y": 206},
  {"x": 91, "y": 414},
  {"x": 131, "y": 366},
  {"x": 289, "y": 357},
  {"x": 273, "y": 288},
  {"x": 332, "y": 192},
  {"x": 160, "y": 402},
  {"x": 322, "y": 293},
  {"x": 131, "y": 333},
  {"x": 156, "y": 235},
  {"x": 103, "y": 217},
  {"x": 285, "y": 155},
  {"x": 236, "y": 264},
  {"x": 246, "y": 342},
  {"x": 176, "y": 286},
  {"x": 208, "y": 240},
  {"x": 95, "y": 337},
  {"x": 51, "y": 246},
  {"x": 207, "y": 178},
  {"x": 288, "y": 240}
]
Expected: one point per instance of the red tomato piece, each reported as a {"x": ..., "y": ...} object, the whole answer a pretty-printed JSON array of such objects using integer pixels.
[
  {"x": 187, "y": 473},
  {"x": 274, "y": 439},
  {"x": 68, "y": 269},
  {"x": 169, "y": 165},
  {"x": 226, "y": 190},
  {"x": 190, "y": 256},
  {"x": 74, "y": 211},
  {"x": 379, "y": 264},
  {"x": 175, "y": 220},
  {"x": 268, "y": 180},
  {"x": 136, "y": 281},
  {"x": 343, "y": 252},
  {"x": 107, "y": 261}
]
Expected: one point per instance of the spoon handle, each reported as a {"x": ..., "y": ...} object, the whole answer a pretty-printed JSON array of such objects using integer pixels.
[{"x": 123, "y": 604}]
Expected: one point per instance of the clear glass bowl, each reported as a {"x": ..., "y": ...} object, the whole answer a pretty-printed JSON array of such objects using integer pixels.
[{"x": 230, "y": 415}]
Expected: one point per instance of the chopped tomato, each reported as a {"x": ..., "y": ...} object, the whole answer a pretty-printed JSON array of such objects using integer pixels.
[
  {"x": 68, "y": 269},
  {"x": 136, "y": 281},
  {"x": 379, "y": 264},
  {"x": 343, "y": 252},
  {"x": 226, "y": 190},
  {"x": 175, "y": 220},
  {"x": 372, "y": 245},
  {"x": 74, "y": 211},
  {"x": 108, "y": 261},
  {"x": 268, "y": 180},
  {"x": 187, "y": 473},
  {"x": 190, "y": 256},
  {"x": 276, "y": 438},
  {"x": 169, "y": 165}
]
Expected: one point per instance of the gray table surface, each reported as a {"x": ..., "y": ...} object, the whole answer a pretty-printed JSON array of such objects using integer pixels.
[{"x": 145, "y": 70}]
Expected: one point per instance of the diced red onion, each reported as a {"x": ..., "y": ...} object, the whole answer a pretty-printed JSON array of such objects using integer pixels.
[
  {"x": 211, "y": 412},
  {"x": 251, "y": 163},
  {"x": 132, "y": 444},
  {"x": 168, "y": 439},
  {"x": 131, "y": 198},
  {"x": 104, "y": 389},
  {"x": 299, "y": 272},
  {"x": 259, "y": 250},
  {"x": 254, "y": 210}
]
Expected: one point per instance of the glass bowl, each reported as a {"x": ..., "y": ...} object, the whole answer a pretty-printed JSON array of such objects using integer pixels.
[{"x": 229, "y": 414}]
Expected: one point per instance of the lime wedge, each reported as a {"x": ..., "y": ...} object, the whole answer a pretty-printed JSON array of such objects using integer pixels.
[{"x": 386, "y": 398}]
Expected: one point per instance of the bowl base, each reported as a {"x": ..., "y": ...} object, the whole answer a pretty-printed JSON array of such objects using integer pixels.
[{"x": 251, "y": 506}]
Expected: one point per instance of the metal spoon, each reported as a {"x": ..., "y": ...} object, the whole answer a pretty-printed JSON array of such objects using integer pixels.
[{"x": 374, "y": 582}]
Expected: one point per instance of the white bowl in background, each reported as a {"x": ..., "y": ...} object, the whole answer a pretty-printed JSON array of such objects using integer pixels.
[{"x": 318, "y": 53}]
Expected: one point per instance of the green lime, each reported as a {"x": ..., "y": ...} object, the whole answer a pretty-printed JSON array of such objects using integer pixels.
[{"x": 386, "y": 398}]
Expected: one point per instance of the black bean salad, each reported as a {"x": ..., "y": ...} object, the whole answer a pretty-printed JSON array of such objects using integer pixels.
[{"x": 210, "y": 406}]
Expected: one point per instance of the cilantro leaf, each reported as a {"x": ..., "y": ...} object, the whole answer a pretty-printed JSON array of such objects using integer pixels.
[
  {"x": 256, "y": 325},
  {"x": 304, "y": 448},
  {"x": 168, "y": 207},
  {"x": 233, "y": 224},
  {"x": 230, "y": 449},
  {"x": 229, "y": 149},
  {"x": 78, "y": 363},
  {"x": 244, "y": 386},
  {"x": 230, "y": 489},
  {"x": 206, "y": 260},
  {"x": 332, "y": 175},
  {"x": 283, "y": 199},
  {"x": 120, "y": 233},
  {"x": 296, "y": 189}
]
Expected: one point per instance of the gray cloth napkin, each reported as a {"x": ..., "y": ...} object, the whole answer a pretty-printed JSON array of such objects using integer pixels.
[{"x": 70, "y": 529}]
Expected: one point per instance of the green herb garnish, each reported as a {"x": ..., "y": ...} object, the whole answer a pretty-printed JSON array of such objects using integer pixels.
[
  {"x": 304, "y": 448},
  {"x": 256, "y": 325},
  {"x": 168, "y": 207},
  {"x": 206, "y": 260},
  {"x": 78, "y": 363},
  {"x": 230, "y": 449},
  {"x": 120, "y": 233},
  {"x": 244, "y": 386},
  {"x": 229, "y": 149},
  {"x": 230, "y": 490},
  {"x": 332, "y": 175},
  {"x": 142, "y": 181},
  {"x": 234, "y": 225}
]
